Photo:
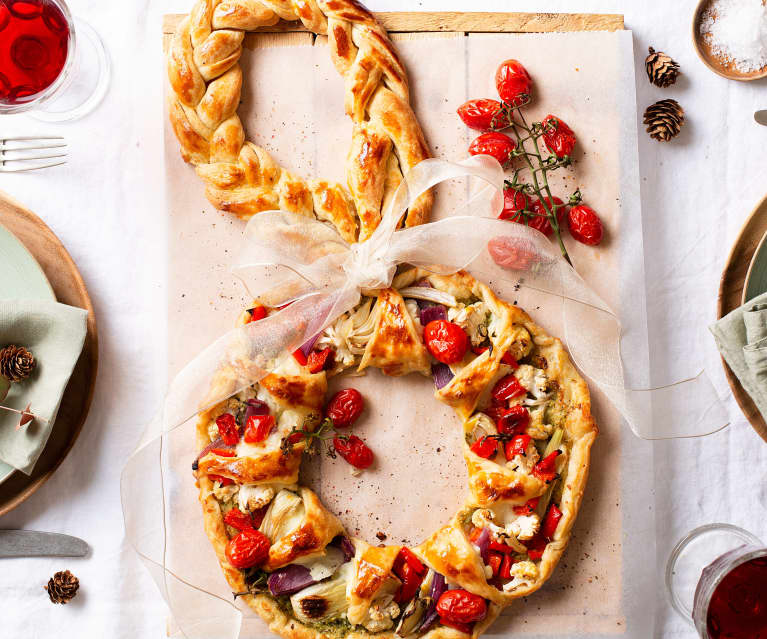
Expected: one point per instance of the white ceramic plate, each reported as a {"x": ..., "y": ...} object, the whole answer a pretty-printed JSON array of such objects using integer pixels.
[{"x": 20, "y": 278}]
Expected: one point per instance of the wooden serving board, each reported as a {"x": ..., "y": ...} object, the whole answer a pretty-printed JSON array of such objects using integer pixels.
[
  {"x": 70, "y": 289},
  {"x": 731, "y": 297}
]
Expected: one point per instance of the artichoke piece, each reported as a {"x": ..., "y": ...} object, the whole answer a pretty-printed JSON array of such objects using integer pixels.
[
  {"x": 284, "y": 515},
  {"x": 323, "y": 601},
  {"x": 324, "y": 565},
  {"x": 413, "y": 616}
]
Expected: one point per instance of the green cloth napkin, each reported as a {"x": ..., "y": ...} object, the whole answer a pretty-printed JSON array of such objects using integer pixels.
[
  {"x": 55, "y": 334},
  {"x": 741, "y": 337}
]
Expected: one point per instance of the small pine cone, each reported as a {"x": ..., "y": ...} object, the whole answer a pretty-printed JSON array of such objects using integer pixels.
[
  {"x": 662, "y": 70},
  {"x": 664, "y": 119},
  {"x": 16, "y": 363},
  {"x": 62, "y": 587}
]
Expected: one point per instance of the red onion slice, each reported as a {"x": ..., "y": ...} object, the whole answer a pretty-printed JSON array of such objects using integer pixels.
[
  {"x": 346, "y": 546},
  {"x": 307, "y": 346},
  {"x": 289, "y": 580},
  {"x": 218, "y": 443},
  {"x": 483, "y": 543},
  {"x": 438, "y": 586},
  {"x": 433, "y": 313},
  {"x": 256, "y": 407},
  {"x": 442, "y": 375}
]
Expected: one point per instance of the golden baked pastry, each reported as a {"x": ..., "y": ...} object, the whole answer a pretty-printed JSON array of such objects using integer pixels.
[
  {"x": 528, "y": 430},
  {"x": 240, "y": 177}
]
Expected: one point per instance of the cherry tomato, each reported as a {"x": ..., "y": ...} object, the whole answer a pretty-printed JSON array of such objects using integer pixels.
[
  {"x": 528, "y": 508},
  {"x": 495, "y": 144},
  {"x": 227, "y": 429},
  {"x": 558, "y": 137},
  {"x": 447, "y": 342},
  {"x": 257, "y": 313},
  {"x": 354, "y": 451},
  {"x": 506, "y": 388},
  {"x": 321, "y": 360},
  {"x": 485, "y": 447},
  {"x": 238, "y": 519},
  {"x": 514, "y": 202},
  {"x": 249, "y": 548},
  {"x": 585, "y": 225},
  {"x": 513, "y": 82},
  {"x": 461, "y": 606},
  {"x": 258, "y": 427},
  {"x": 539, "y": 217},
  {"x": 483, "y": 115},
  {"x": 345, "y": 407},
  {"x": 516, "y": 446},
  {"x": 546, "y": 469},
  {"x": 411, "y": 572},
  {"x": 551, "y": 521}
]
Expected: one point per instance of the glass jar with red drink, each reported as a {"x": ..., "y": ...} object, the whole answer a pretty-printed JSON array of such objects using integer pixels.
[
  {"x": 717, "y": 579},
  {"x": 42, "y": 50}
]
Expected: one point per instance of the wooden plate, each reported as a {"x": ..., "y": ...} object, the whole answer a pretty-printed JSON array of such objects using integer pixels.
[
  {"x": 717, "y": 65},
  {"x": 69, "y": 288},
  {"x": 731, "y": 295}
]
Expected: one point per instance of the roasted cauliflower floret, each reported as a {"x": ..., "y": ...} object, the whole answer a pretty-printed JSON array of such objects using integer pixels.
[
  {"x": 524, "y": 527},
  {"x": 524, "y": 573},
  {"x": 381, "y": 616}
]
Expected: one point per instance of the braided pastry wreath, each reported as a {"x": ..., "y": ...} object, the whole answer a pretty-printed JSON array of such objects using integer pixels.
[{"x": 526, "y": 412}]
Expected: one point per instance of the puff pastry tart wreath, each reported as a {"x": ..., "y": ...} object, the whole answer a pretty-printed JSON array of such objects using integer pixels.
[
  {"x": 528, "y": 431},
  {"x": 240, "y": 177}
]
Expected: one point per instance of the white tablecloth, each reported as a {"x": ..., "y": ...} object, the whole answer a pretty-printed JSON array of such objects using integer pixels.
[{"x": 700, "y": 187}]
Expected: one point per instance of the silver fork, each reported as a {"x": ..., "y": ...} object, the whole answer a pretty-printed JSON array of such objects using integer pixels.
[{"x": 27, "y": 153}]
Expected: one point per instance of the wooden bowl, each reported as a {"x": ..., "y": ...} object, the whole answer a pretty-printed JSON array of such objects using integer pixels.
[
  {"x": 718, "y": 66},
  {"x": 69, "y": 288},
  {"x": 731, "y": 288}
]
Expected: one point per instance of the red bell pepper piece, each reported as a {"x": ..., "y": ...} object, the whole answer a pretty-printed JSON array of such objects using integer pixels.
[
  {"x": 257, "y": 313},
  {"x": 509, "y": 360},
  {"x": 320, "y": 360},
  {"x": 500, "y": 547},
  {"x": 478, "y": 350},
  {"x": 536, "y": 546},
  {"x": 222, "y": 452},
  {"x": 300, "y": 357},
  {"x": 411, "y": 572},
  {"x": 494, "y": 560},
  {"x": 551, "y": 521},
  {"x": 546, "y": 469},
  {"x": 505, "y": 570},
  {"x": 485, "y": 446},
  {"x": 517, "y": 446},
  {"x": 528, "y": 508},
  {"x": 224, "y": 481}
]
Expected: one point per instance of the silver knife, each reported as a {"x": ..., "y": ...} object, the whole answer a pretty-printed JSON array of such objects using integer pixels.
[
  {"x": 30, "y": 543},
  {"x": 761, "y": 117}
]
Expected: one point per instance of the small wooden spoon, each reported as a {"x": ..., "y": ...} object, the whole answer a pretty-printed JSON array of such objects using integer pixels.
[{"x": 717, "y": 65}]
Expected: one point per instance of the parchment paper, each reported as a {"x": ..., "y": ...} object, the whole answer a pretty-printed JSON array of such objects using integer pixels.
[{"x": 293, "y": 105}]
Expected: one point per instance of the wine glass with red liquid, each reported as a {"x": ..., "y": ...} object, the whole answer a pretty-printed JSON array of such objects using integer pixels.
[
  {"x": 717, "y": 579},
  {"x": 51, "y": 64}
]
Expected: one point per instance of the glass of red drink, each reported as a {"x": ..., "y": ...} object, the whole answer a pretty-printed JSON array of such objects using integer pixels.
[
  {"x": 717, "y": 579},
  {"x": 51, "y": 64}
]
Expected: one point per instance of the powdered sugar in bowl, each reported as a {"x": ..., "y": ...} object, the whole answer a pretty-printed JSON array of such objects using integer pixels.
[{"x": 730, "y": 37}]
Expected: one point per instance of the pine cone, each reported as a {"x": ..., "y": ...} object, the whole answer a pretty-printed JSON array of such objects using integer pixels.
[
  {"x": 661, "y": 69},
  {"x": 62, "y": 587},
  {"x": 16, "y": 363},
  {"x": 664, "y": 119}
]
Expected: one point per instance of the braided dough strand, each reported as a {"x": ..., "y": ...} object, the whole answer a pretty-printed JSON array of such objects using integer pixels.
[{"x": 242, "y": 178}]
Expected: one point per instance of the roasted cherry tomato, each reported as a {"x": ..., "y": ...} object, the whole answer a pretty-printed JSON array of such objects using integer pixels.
[
  {"x": 447, "y": 342},
  {"x": 321, "y": 360},
  {"x": 513, "y": 82},
  {"x": 483, "y": 115},
  {"x": 495, "y": 144},
  {"x": 345, "y": 407},
  {"x": 514, "y": 202},
  {"x": 528, "y": 508},
  {"x": 512, "y": 420},
  {"x": 257, "y": 313},
  {"x": 354, "y": 451},
  {"x": 228, "y": 429},
  {"x": 249, "y": 548},
  {"x": 551, "y": 521},
  {"x": 485, "y": 447},
  {"x": 546, "y": 469},
  {"x": 558, "y": 137},
  {"x": 585, "y": 225},
  {"x": 516, "y": 446},
  {"x": 539, "y": 217},
  {"x": 224, "y": 481},
  {"x": 238, "y": 519},
  {"x": 506, "y": 388},
  {"x": 257, "y": 428},
  {"x": 461, "y": 606}
]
